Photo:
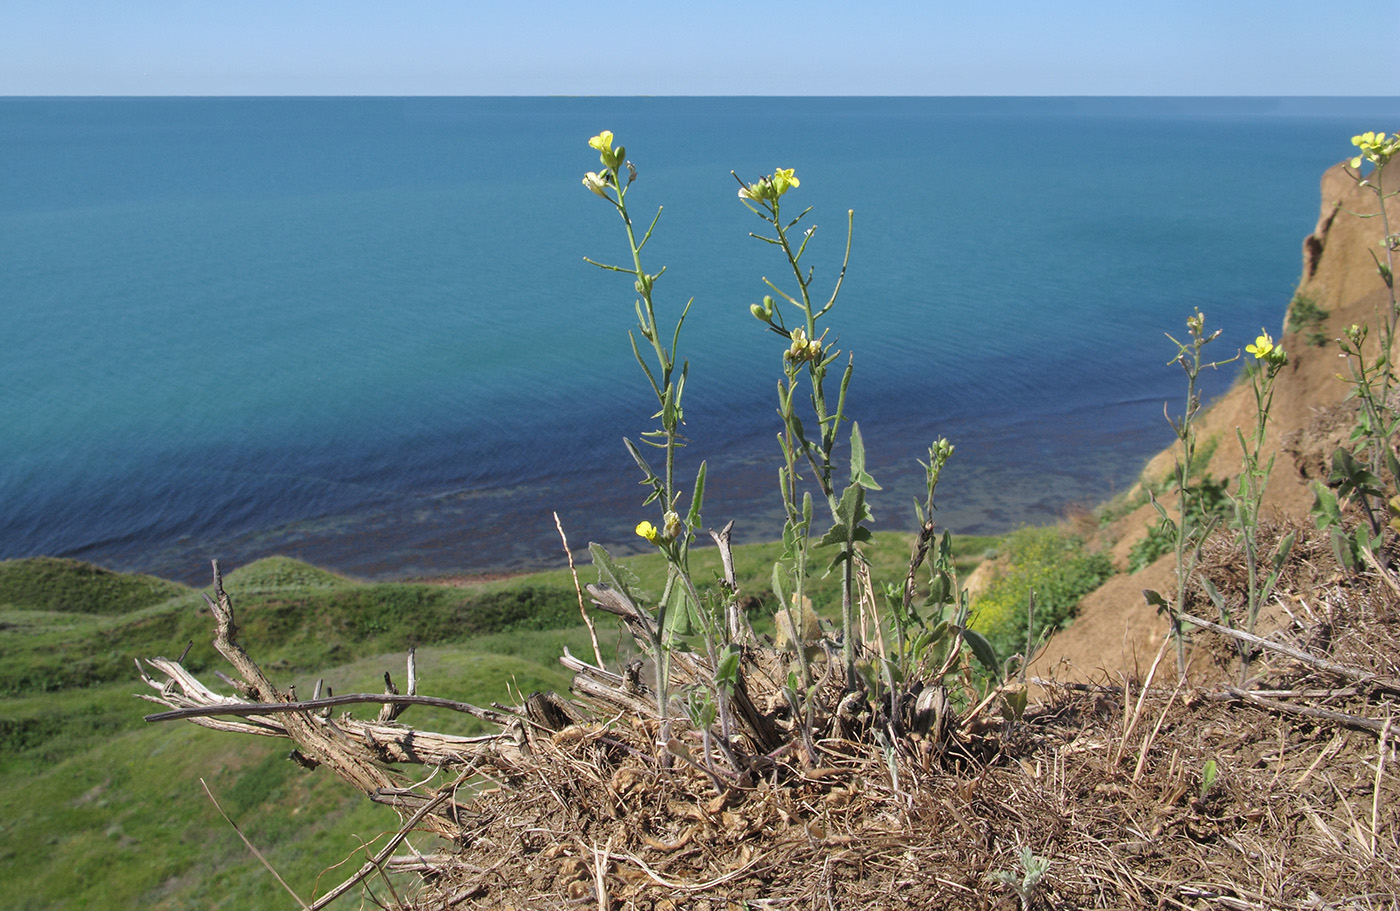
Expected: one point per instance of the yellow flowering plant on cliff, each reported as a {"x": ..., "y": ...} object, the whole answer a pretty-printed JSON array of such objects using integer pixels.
[
  {"x": 680, "y": 603},
  {"x": 1192, "y": 525},
  {"x": 1367, "y": 473},
  {"x": 1262, "y": 369}
]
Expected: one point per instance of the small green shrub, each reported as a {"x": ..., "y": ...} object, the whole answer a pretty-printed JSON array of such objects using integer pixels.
[
  {"x": 1049, "y": 562},
  {"x": 1305, "y": 317}
]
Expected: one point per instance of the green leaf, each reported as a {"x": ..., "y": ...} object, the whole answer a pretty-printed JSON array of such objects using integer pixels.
[
  {"x": 778, "y": 586},
  {"x": 1156, "y": 600},
  {"x": 843, "y": 555},
  {"x": 680, "y": 619},
  {"x": 1208, "y": 775},
  {"x": 727, "y": 669},
  {"x": 1282, "y": 550},
  {"x": 797, "y": 429},
  {"x": 613, "y": 573},
  {"x": 693, "y": 520},
  {"x": 850, "y": 510},
  {"x": 1326, "y": 512},
  {"x": 858, "y": 472},
  {"x": 940, "y": 589},
  {"x": 834, "y": 535},
  {"x": 637, "y": 457},
  {"x": 982, "y": 649},
  {"x": 1014, "y": 701},
  {"x": 1214, "y": 593},
  {"x": 1349, "y": 475}
]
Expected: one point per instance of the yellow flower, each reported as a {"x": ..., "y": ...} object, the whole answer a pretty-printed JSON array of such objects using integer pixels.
[
  {"x": 783, "y": 179},
  {"x": 648, "y": 531},
  {"x": 1261, "y": 347},
  {"x": 603, "y": 142},
  {"x": 803, "y": 349}
]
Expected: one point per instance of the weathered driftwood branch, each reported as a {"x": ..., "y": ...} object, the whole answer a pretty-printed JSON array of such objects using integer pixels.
[
  {"x": 355, "y": 750},
  {"x": 320, "y": 742},
  {"x": 1380, "y": 728},
  {"x": 1350, "y": 673},
  {"x": 191, "y": 701},
  {"x": 276, "y": 708},
  {"x": 380, "y": 859}
]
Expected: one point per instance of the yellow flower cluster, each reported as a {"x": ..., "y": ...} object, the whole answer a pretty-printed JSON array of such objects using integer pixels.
[
  {"x": 1375, "y": 147},
  {"x": 771, "y": 187},
  {"x": 803, "y": 348}
]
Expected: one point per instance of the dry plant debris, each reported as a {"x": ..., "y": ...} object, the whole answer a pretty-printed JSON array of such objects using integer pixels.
[{"x": 1280, "y": 793}]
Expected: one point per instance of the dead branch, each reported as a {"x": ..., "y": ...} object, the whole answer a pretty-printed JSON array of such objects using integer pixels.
[
  {"x": 1309, "y": 711},
  {"x": 1341, "y": 670},
  {"x": 277, "y": 708}
]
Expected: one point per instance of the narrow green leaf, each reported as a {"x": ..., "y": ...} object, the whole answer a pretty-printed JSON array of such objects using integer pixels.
[
  {"x": 697, "y": 499},
  {"x": 857, "y": 452},
  {"x": 1214, "y": 593},
  {"x": 640, "y": 460},
  {"x": 727, "y": 668},
  {"x": 1282, "y": 550},
  {"x": 858, "y": 473},
  {"x": 982, "y": 649},
  {"x": 681, "y": 616}
]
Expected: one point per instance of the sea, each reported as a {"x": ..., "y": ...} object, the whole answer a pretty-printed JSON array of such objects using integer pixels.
[{"x": 362, "y": 332}]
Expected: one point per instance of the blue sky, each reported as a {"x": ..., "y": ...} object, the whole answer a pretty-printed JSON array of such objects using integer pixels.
[{"x": 630, "y": 47}]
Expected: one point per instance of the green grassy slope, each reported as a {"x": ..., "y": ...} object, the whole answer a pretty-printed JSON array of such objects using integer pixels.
[{"x": 100, "y": 809}]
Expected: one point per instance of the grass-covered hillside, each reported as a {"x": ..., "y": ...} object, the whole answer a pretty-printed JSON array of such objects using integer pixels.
[{"x": 103, "y": 810}]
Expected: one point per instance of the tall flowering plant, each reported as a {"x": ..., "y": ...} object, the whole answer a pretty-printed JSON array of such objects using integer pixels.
[{"x": 1368, "y": 473}]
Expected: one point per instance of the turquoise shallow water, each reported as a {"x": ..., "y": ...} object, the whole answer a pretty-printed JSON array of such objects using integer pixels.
[{"x": 360, "y": 331}]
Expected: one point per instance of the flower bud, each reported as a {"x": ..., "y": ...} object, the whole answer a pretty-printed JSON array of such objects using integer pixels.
[
  {"x": 673, "y": 527},
  {"x": 758, "y": 313}
]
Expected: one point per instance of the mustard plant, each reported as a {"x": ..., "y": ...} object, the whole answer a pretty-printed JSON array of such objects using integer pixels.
[
  {"x": 807, "y": 363},
  {"x": 1192, "y": 525},
  {"x": 666, "y": 375},
  {"x": 1369, "y": 474},
  {"x": 931, "y": 640},
  {"x": 1261, "y": 371}
]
